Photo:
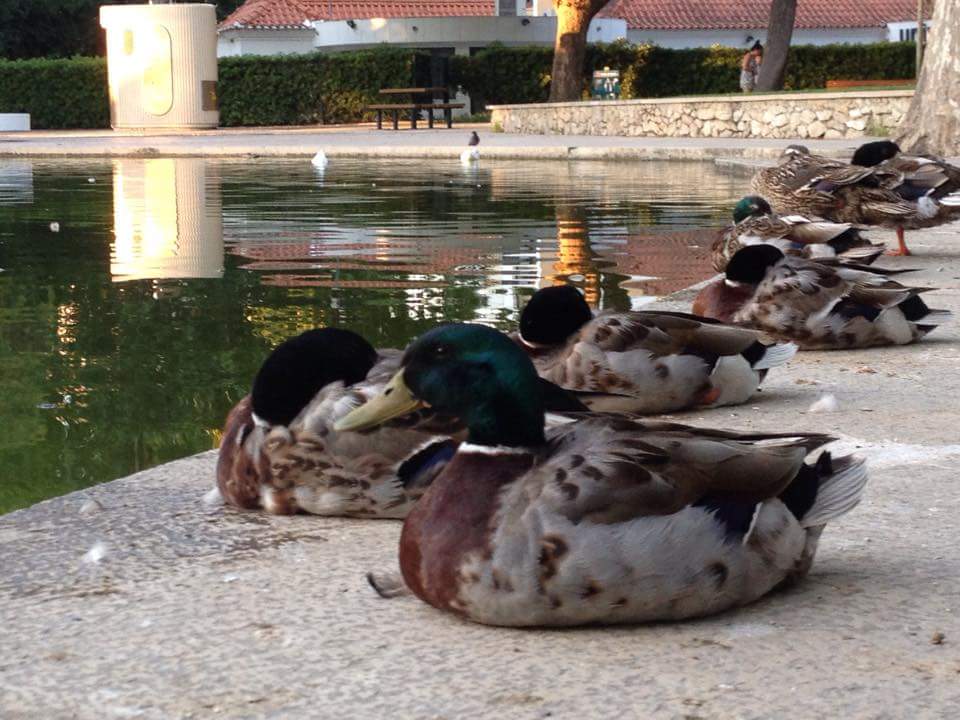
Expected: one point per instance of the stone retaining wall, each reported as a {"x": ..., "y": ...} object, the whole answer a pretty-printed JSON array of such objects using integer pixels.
[{"x": 786, "y": 115}]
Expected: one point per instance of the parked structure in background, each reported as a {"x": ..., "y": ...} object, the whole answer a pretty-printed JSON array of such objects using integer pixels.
[{"x": 272, "y": 27}]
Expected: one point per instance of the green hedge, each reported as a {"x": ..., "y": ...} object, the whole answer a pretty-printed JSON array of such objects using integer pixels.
[
  {"x": 305, "y": 89},
  {"x": 333, "y": 88},
  {"x": 514, "y": 75},
  {"x": 58, "y": 93},
  {"x": 275, "y": 90}
]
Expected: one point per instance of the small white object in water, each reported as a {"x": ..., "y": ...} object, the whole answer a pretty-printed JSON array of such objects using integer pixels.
[
  {"x": 67, "y": 399},
  {"x": 91, "y": 180},
  {"x": 320, "y": 159},
  {"x": 230, "y": 578},
  {"x": 213, "y": 497},
  {"x": 470, "y": 155},
  {"x": 54, "y": 227},
  {"x": 90, "y": 507},
  {"x": 95, "y": 554},
  {"x": 826, "y": 403}
]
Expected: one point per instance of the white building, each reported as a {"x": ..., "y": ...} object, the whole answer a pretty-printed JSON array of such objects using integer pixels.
[{"x": 272, "y": 27}]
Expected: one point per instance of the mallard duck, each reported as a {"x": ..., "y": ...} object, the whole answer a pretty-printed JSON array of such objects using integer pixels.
[
  {"x": 279, "y": 450},
  {"x": 817, "y": 306},
  {"x": 754, "y": 222},
  {"x": 607, "y": 519},
  {"x": 642, "y": 361},
  {"x": 836, "y": 191}
]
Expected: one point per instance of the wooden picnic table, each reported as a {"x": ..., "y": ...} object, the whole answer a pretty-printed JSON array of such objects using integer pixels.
[{"x": 414, "y": 107}]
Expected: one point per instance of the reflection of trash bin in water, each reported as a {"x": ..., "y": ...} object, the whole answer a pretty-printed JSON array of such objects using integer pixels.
[{"x": 605, "y": 85}]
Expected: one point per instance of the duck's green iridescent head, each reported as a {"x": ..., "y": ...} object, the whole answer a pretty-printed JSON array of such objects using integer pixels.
[
  {"x": 751, "y": 206},
  {"x": 471, "y": 371}
]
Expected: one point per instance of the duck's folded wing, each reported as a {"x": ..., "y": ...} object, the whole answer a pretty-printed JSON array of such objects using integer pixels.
[
  {"x": 613, "y": 468},
  {"x": 665, "y": 333},
  {"x": 795, "y": 290}
]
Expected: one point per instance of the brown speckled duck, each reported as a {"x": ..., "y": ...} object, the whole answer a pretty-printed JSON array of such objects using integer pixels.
[
  {"x": 607, "y": 519},
  {"x": 642, "y": 361},
  {"x": 816, "y": 306},
  {"x": 754, "y": 223},
  {"x": 874, "y": 195},
  {"x": 280, "y": 452}
]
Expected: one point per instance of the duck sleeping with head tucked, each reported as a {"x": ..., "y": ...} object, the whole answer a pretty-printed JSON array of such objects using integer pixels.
[
  {"x": 607, "y": 519},
  {"x": 817, "y": 306},
  {"x": 279, "y": 450},
  {"x": 642, "y": 361}
]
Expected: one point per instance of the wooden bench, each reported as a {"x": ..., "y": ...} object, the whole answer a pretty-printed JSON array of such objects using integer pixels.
[
  {"x": 415, "y": 108},
  {"x": 845, "y": 84}
]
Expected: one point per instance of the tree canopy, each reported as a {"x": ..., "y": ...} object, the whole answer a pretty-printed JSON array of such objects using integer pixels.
[{"x": 61, "y": 28}]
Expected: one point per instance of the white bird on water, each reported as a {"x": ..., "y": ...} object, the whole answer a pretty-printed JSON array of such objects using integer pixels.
[
  {"x": 472, "y": 153},
  {"x": 319, "y": 160}
]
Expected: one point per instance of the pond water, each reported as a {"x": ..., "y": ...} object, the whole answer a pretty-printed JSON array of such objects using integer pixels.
[{"x": 138, "y": 296}]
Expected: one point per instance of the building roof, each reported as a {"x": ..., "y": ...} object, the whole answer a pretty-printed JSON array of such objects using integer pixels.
[
  {"x": 291, "y": 13},
  {"x": 639, "y": 14},
  {"x": 739, "y": 15}
]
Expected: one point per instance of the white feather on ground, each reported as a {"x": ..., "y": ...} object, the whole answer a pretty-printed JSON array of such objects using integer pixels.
[
  {"x": 213, "y": 497},
  {"x": 826, "y": 403},
  {"x": 95, "y": 554}
]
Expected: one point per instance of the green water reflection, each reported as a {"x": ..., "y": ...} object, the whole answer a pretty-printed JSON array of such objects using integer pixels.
[{"x": 126, "y": 336}]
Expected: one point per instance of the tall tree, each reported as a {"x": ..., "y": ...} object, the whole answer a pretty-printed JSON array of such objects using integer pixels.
[
  {"x": 573, "y": 21},
  {"x": 932, "y": 124},
  {"x": 779, "y": 32}
]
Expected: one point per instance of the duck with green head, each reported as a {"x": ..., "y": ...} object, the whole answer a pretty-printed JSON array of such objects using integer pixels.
[
  {"x": 755, "y": 222},
  {"x": 605, "y": 519}
]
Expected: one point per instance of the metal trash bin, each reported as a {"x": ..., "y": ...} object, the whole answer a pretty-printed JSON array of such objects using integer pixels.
[
  {"x": 605, "y": 85},
  {"x": 162, "y": 65}
]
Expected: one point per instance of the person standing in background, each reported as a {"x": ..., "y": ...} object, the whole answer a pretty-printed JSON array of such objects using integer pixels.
[{"x": 750, "y": 67}]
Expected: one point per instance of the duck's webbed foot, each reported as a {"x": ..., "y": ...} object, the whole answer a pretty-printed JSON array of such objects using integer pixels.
[
  {"x": 902, "y": 249},
  {"x": 387, "y": 586}
]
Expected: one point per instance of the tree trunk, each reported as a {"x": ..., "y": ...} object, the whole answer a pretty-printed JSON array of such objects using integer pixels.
[
  {"x": 573, "y": 21},
  {"x": 932, "y": 124},
  {"x": 779, "y": 32}
]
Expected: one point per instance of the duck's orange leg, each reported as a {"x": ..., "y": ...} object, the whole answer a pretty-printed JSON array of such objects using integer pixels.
[{"x": 903, "y": 249}]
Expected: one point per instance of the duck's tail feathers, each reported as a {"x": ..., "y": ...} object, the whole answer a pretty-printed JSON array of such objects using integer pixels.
[
  {"x": 865, "y": 255},
  {"x": 933, "y": 319},
  {"x": 915, "y": 310},
  {"x": 928, "y": 208},
  {"x": 951, "y": 200},
  {"x": 839, "y": 491},
  {"x": 775, "y": 355}
]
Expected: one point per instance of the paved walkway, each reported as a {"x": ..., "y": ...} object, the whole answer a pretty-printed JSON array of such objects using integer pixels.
[
  {"x": 366, "y": 141},
  {"x": 191, "y": 611}
]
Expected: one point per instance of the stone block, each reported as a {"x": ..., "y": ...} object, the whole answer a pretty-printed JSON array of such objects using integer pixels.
[{"x": 816, "y": 129}]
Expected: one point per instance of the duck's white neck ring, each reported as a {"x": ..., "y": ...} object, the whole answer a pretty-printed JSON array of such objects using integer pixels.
[
  {"x": 733, "y": 283},
  {"x": 260, "y": 422},
  {"x": 467, "y": 447},
  {"x": 532, "y": 345}
]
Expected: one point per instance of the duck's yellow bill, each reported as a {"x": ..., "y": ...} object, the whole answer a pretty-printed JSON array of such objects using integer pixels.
[{"x": 396, "y": 400}]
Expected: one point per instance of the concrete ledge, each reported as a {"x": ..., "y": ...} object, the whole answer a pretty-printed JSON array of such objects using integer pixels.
[
  {"x": 364, "y": 142},
  {"x": 197, "y": 611}
]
